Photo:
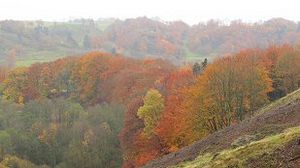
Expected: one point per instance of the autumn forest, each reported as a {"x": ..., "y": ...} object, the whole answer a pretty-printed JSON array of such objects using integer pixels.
[
  {"x": 149, "y": 84},
  {"x": 107, "y": 110}
]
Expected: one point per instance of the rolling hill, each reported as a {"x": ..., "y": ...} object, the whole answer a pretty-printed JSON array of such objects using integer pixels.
[
  {"x": 39, "y": 41},
  {"x": 269, "y": 139}
]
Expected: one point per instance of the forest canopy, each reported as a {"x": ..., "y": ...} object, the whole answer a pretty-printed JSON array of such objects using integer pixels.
[{"x": 107, "y": 110}]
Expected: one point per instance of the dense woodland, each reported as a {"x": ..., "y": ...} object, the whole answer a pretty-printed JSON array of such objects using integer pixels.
[
  {"x": 33, "y": 41},
  {"x": 106, "y": 110}
]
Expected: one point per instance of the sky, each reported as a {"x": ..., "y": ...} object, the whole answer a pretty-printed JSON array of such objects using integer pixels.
[{"x": 189, "y": 11}]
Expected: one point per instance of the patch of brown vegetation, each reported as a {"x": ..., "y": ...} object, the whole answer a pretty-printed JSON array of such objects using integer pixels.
[{"x": 285, "y": 157}]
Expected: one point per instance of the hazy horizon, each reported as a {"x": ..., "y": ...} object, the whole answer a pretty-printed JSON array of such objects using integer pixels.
[{"x": 191, "y": 12}]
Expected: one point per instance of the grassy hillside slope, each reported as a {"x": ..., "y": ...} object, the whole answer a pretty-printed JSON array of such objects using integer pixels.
[{"x": 268, "y": 139}]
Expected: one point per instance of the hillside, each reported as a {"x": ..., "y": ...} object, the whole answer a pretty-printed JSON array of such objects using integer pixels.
[
  {"x": 270, "y": 138},
  {"x": 38, "y": 41}
]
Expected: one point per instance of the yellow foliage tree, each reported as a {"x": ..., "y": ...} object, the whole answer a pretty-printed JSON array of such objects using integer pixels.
[{"x": 151, "y": 111}]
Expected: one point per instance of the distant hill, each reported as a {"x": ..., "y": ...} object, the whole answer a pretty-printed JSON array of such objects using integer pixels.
[
  {"x": 142, "y": 37},
  {"x": 269, "y": 139},
  {"x": 38, "y": 41}
]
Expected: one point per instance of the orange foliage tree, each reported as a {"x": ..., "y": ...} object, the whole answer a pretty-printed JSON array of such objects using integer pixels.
[
  {"x": 171, "y": 128},
  {"x": 228, "y": 90}
]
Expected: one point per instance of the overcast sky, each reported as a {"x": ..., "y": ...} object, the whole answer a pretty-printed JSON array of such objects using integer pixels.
[{"x": 190, "y": 11}]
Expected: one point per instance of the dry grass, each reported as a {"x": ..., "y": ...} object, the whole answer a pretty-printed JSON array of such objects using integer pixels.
[{"x": 238, "y": 157}]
